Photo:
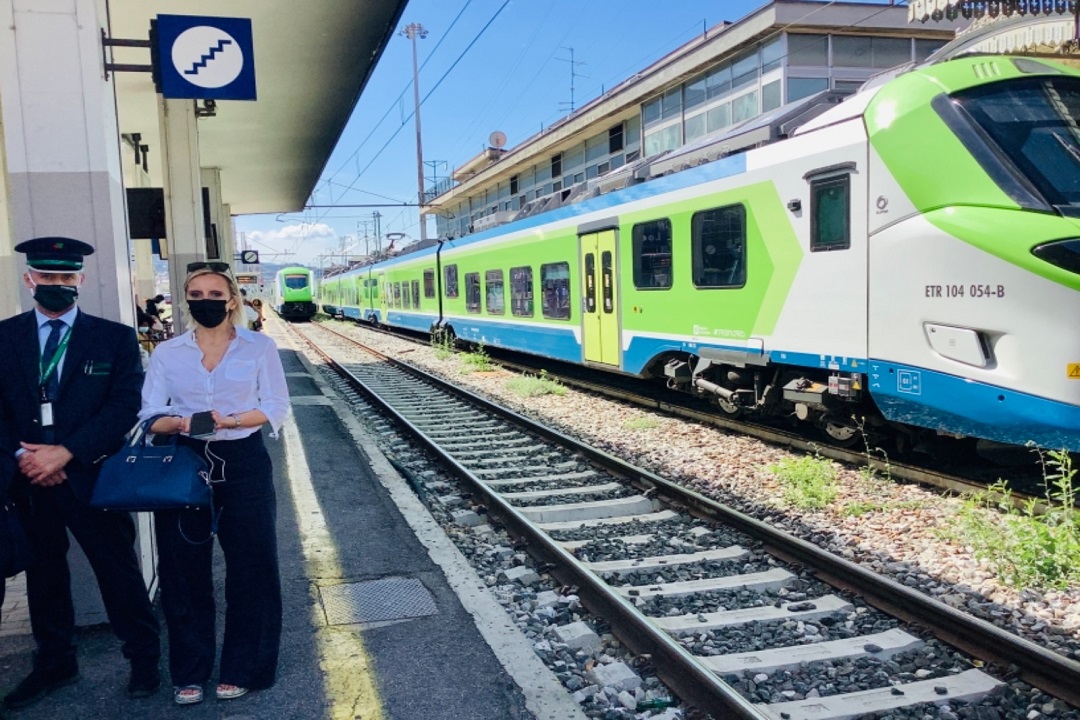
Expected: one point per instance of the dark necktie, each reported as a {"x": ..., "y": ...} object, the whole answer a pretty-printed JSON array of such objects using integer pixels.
[{"x": 52, "y": 343}]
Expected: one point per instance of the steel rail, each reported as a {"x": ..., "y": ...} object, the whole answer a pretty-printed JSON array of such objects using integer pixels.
[
  {"x": 1049, "y": 671},
  {"x": 678, "y": 669}
]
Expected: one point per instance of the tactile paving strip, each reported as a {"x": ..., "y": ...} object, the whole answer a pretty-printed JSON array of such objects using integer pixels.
[{"x": 394, "y": 598}]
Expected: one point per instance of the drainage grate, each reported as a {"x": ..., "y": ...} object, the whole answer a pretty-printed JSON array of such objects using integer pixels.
[{"x": 394, "y": 598}]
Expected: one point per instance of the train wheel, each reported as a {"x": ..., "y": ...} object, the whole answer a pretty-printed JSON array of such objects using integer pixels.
[
  {"x": 842, "y": 434},
  {"x": 728, "y": 408}
]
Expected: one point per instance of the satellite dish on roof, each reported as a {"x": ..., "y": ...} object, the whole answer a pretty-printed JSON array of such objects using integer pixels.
[{"x": 497, "y": 139}]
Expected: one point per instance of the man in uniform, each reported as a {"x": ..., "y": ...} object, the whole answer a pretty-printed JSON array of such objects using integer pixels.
[{"x": 71, "y": 390}]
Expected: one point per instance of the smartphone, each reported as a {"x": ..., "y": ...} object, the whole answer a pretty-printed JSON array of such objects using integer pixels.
[{"x": 202, "y": 424}]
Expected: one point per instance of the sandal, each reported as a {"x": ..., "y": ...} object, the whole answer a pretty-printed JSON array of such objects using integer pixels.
[
  {"x": 188, "y": 694},
  {"x": 230, "y": 692}
]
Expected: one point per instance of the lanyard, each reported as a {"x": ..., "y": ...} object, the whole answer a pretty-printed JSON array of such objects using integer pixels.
[{"x": 47, "y": 370}]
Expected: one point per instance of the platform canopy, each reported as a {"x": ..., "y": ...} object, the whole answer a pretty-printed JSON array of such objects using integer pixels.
[{"x": 312, "y": 61}]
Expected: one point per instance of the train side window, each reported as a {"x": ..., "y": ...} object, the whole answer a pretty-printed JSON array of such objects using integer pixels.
[
  {"x": 521, "y": 291},
  {"x": 718, "y": 247},
  {"x": 830, "y": 213},
  {"x": 429, "y": 283},
  {"x": 416, "y": 294},
  {"x": 397, "y": 294},
  {"x": 607, "y": 281},
  {"x": 588, "y": 283},
  {"x": 472, "y": 292},
  {"x": 652, "y": 255},
  {"x": 450, "y": 282},
  {"x": 494, "y": 292},
  {"x": 555, "y": 290}
]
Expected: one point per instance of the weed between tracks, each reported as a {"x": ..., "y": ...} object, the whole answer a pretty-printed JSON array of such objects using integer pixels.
[
  {"x": 809, "y": 482},
  {"x": 1024, "y": 548},
  {"x": 535, "y": 385}
]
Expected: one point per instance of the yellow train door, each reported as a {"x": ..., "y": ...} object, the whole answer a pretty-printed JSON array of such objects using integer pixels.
[{"x": 599, "y": 292}]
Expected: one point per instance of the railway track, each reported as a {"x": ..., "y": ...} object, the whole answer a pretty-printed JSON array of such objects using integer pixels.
[{"x": 708, "y": 593}]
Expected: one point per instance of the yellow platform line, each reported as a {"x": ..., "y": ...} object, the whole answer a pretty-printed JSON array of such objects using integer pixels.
[{"x": 348, "y": 680}]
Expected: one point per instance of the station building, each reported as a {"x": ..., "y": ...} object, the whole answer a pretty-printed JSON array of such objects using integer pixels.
[{"x": 782, "y": 52}]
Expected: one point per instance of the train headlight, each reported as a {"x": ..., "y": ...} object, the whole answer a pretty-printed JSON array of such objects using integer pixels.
[{"x": 1063, "y": 253}]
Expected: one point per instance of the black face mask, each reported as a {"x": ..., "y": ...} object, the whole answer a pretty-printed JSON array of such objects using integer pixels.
[
  {"x": 208, "y": 313},
  {"x": 55, "y": 298}
]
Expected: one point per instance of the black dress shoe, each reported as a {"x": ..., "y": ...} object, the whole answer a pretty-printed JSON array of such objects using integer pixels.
[
  {"x": 38, "y": 684},
  {"x": 145, "y": 680}
]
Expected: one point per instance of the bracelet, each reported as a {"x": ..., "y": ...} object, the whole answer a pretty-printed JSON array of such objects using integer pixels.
[{"x": 236, "y": 418}]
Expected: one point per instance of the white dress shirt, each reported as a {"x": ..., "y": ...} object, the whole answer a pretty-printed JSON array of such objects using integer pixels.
[{"x": 249, "y": 377}]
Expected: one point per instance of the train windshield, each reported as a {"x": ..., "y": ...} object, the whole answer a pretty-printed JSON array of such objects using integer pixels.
[
  {"x": 296, "y": 282},
  {"x": 1035, "y": 123}
]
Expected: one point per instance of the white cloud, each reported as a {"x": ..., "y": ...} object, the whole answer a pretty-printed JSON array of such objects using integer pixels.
[{"x": 300, "y": 244}]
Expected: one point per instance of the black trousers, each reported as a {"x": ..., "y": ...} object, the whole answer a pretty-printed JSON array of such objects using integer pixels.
[
  {"x": 108, "y": 541},
  {"x": 247, "y": 507}
]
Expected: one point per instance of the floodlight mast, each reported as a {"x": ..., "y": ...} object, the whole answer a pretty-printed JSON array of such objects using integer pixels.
[{"x": 413, "y": 31}]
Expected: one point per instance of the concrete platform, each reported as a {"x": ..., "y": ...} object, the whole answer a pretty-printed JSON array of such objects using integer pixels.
[{"x": 383, "y": 618}]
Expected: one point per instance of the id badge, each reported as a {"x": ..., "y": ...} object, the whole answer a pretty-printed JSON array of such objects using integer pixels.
[{"x": 46, "y": 414}]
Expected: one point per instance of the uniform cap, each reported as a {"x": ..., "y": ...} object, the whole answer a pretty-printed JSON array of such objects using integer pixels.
[{"x": 55, "y": 254}]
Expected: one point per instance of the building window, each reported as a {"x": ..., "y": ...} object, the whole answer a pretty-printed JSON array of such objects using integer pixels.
[
  {"x": 652, "y": 254},
  {"x": 521, "y": 292},
  {"x": 808, "y": 50},
  {"x": 926, "y": 48},
  {"x": 830, "y": 213},
  {"x": 429, "y": 283},
  {"x": 770, "y": 96},
  {"x": 718, "y": 247},
  {"x": 719, "y": 117},
  {"x": 615, "y": 139},
  {"x": 744, "y": 107},
  {"x": 513, "y": 184},
  {"x": 555, "y": 289},
  {"x": 556, "y": 165},
  {"x": 798, "y": 88},
  {"x": 472, "y": 292},
  {"x": 494, "y": 292},
  {"x": 694, "y": 93}
]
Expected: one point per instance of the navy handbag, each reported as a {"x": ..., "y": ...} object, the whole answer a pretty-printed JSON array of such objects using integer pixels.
[{"x": 145, "y": 477}]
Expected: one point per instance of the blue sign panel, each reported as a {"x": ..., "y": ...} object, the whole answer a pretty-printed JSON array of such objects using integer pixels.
[{"x": 205, "y": 58}]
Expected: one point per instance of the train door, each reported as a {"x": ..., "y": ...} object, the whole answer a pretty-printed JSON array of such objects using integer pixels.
[
  {"x": 384, "y": 296},
  {"x": 600, "y": 321}
]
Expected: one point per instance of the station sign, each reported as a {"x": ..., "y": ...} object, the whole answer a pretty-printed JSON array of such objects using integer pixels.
[{"x": 205, "y": 58}]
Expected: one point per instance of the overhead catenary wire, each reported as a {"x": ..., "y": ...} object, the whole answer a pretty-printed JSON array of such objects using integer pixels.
[{"x": 429, "y": 93}]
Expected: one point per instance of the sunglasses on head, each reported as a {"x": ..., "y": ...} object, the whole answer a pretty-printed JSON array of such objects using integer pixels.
[{"x": 218, "y": 267}]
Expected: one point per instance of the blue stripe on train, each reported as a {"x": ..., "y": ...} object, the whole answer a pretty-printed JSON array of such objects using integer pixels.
[
  {"x": 553, "y": 342},
  {"x": 958, "y": 405}
]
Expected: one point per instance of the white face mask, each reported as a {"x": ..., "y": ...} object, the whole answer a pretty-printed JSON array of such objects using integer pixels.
[{"x": 144, "y": 329}]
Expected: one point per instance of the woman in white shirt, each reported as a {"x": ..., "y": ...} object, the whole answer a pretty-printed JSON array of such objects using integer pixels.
[{"x": 220, "y": 367}]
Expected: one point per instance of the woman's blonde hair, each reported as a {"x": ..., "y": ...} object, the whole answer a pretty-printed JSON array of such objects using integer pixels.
[{"x": 236, "y": 314}]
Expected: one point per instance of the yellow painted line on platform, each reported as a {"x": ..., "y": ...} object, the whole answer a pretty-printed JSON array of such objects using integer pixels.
[{"x": 348, "y": 679}]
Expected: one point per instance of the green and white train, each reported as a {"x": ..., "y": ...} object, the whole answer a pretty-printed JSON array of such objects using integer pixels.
[
  {"x": 294, "y": 293},
  {"x": 909, "y": 257}
]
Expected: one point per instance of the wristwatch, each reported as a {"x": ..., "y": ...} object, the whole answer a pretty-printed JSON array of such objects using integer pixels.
[{"x": 236, "y": 418}]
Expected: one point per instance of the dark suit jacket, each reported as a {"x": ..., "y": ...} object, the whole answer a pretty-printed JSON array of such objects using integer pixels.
[{"x": 99, "y": 395}]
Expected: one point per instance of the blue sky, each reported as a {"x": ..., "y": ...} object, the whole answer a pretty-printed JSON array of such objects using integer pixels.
[{"x": 498, "y": 65}]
